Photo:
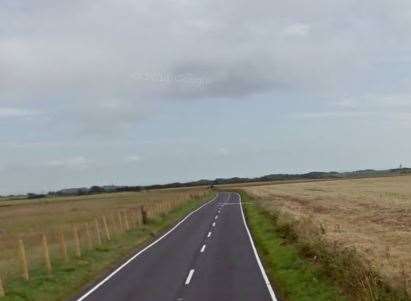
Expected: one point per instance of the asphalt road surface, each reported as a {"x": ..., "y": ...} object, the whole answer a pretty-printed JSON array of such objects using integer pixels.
[{"x": 208, "y": 256}]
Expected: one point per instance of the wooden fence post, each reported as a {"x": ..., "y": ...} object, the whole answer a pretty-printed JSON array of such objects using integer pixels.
[
  {"x": 120, "y": 219},
  {"x": 46, "y": 254},
  {"x": 137, "y": 217},
  {"x": 106, "y": 228},
  {"x": 89, "y": 240},
  {"x": 77, "y": 241},
  {"x": 115, "y": 225},
  {"x": 98, "y": 232},
  {"x": 63, "y": 246},
  {"x": 144, "y": 215},
  {"x": 126, "y": 221},
  {"x": 132, "y": 221},
  {"x": 2, "y": 291},
  {"x": 23, "y": 261}
]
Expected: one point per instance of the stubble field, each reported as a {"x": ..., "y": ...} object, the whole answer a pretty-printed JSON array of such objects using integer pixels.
[
  {"x": 373, "y": 216},
  {"x": 93, "y": 217}
]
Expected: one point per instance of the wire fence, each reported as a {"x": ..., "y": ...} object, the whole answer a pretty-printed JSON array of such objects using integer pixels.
[{"x": 41, "y": 250}]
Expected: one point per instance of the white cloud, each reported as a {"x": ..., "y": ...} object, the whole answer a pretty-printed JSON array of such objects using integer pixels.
[
  {"x": 223, "y": 151},
  {"x": 391, "y": 102},
  {"x": 77, "y": 163},
  {"x": 109, "y": 75},
  {"x": 297, "y": 29},
  {"x": 331, "y": 115},
  {"x": 133, "y": 159},
  {"x": 16, "y": 112},
  {"x": 80, "y": 56}
]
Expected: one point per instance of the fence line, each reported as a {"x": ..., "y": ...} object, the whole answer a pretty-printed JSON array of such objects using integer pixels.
[
  {"x": 38, "y": 249},
  {"x": 63, "y": 246},
  {"x": 2, "y": 291},
  {"x": 46, "y": 254},
  {"x": 89, "y": 238},
  {"x": 77, "y": 241},
  {"x": 98, "y": 232},
  {"x": 23, "y": 261},
  {"x": 108, "y": 236}
]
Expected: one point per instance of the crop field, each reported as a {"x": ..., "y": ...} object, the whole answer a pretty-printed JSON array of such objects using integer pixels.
[
  {"x": 73, "y": 225},
  {"x": 372, "y": 215}
]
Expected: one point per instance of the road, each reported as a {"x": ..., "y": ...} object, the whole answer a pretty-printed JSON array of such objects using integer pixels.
[{"x": 208, "y": 256}]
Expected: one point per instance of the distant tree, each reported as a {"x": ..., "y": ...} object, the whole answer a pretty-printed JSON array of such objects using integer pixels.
[
  {"x": 35, "y": 196},
  {"x": 96, "y": 189},
  {"x": 82, "y": 192}
]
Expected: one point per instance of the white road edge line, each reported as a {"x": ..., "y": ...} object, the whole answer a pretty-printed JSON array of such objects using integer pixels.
[
  {"x": 202, "y": 249},
  {"x": 260, "y": 265},
  {"x": 190, "y": 275},
  {"x": 209, "y": 234},
  {"x": 98, "y": 285}
]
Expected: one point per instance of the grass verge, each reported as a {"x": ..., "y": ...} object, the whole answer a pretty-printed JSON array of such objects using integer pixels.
[
  {"x": 68, "y": 279},
  {"x": 293, "y": 277},
  {"x": 304, "y": 266}
]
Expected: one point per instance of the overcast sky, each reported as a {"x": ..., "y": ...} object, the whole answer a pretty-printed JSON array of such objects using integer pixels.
[{"x": 139, "y": 92}]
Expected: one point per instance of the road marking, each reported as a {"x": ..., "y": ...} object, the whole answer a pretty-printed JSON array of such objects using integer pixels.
[
  {"x": 83, "y": 297},
  {"x": 267, "y": 282},
  {"x": 214, "y": 224},
  {"x": 202, "y": 249},
  {"x": 190, "y": 275},
  {"x": 209, "y": 234},
  {"x": 216, "y": 217}
]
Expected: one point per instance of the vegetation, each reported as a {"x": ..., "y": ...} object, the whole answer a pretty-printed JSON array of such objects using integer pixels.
[
  {"x": 368, "y": 215},
  {"x": 289, "y": 244},
  {"x": 294, "y": 277},
  {"x": 68, "y": 275},
  {"x": 220, "y": 181}
]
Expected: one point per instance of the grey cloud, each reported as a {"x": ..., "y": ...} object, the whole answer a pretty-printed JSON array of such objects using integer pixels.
[
  {"x": 79, "y": 78},
  {"x": 8, "y": 112},
  {"x": 87, "y": 52}
]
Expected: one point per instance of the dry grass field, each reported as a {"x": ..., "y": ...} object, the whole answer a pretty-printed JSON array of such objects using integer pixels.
[
  {"x": 30, "y": 219},
  {"x": 36, "y": 215},
  {"x": 372, "y": 215}
]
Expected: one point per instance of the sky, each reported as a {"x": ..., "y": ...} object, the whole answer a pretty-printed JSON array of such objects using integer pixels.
[{"x": 140, "y": 92}]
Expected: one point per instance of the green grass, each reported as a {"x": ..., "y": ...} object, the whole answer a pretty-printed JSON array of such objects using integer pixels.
[
  {"x": 295, "y": 278},
  {"x": 68, "y": 279}
]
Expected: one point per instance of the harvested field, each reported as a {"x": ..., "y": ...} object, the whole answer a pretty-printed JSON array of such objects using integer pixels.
[
  {"x": 371, "y": 215},
  {"x": 117, "y": 212}
]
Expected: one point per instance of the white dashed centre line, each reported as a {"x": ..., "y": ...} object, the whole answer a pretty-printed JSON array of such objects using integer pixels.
[
  {"x": 209, "y": 234},
  {"x": 190, "y": 275},
  {"x": 202, "y": 249},
  {"x": 216, "y": 217},
  {"x": 214, "y": 224}
]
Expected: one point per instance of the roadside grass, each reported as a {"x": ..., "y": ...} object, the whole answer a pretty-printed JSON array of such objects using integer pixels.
[
  {"x": 293, "y": 277},
  {"x": 370, "y": 215},
  {"x": 67, "y": 279},
  {"x": 25, "y": 223},
  {"x": 304, "y": 266}
]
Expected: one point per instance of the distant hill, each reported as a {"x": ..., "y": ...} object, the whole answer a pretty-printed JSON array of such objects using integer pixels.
[{"x": 315, "y": 175}]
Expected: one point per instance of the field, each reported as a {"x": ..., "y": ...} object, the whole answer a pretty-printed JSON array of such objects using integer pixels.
[
  {"x": 371, "y": 215},
  {"x": 90, "y": 226},
  {"x": 17, "y": 217}
]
